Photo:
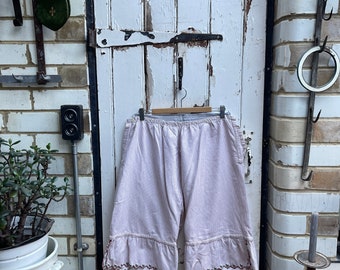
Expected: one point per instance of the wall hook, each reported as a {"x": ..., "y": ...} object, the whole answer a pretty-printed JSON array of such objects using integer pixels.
[
  {"x": 18, "y": 78},
  {"x": 322, "y": 48},
  {"x": 316, "y": 118},
  {"x": 312, "y": 86},
  {"x": 324, "y": 12},
  {"x": 308, "y": 178}
]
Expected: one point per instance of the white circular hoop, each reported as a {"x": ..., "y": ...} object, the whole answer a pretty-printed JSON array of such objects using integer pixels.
[{"x": 329, "y": 84}]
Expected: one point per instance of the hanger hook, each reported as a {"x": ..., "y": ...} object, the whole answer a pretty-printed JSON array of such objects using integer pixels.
[
  {"x": 324, "y": 12},
  {"x": 186, "y": 92}
]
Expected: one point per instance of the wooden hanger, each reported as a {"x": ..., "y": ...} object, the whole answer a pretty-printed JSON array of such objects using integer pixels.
[
  {"x": 204, "y": 109},
  {"x": 181, "y": 110}
]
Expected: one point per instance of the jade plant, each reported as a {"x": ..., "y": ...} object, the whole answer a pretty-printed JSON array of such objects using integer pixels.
[{"x": 26, "y": 192}]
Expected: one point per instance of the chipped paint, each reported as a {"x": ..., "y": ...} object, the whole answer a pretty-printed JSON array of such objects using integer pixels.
[
  {"x": 149, "y": 83},
  {"x": 147, "y": 17},
  {"x": 245, "y": 19}
]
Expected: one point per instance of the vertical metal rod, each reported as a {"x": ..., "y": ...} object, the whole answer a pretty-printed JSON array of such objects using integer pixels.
[
  {"x": 18, "y": 14},
  {"x": 311, "y": 101},
  {"x": 79, "y": 244},
  {"x": 313, "y": 237},
  {"x": 39, "y": 40}
]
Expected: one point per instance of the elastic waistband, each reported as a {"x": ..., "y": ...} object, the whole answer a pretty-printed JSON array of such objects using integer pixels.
[{"x": 180, "y": 120}]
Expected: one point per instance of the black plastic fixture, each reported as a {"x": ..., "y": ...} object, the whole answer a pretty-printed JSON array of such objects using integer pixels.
[{"x": 72, "y": 126}]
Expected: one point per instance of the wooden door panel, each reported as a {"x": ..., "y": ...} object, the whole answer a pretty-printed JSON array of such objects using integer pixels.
[
  {"x": 160, "y": 78},
  {"x": 214, "y": 73},
  {"x": 129, "y": 89},
  {"x": 161, "y": 15},
  {"x": 227, "y": 56},
  {"x": 127, "y": 15},
  {"x": 195, "y": 75},
  {"x": 194, "y": 14}
]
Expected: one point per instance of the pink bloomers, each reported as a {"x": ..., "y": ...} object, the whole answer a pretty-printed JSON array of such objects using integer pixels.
[{"x": 181, "y": 171}]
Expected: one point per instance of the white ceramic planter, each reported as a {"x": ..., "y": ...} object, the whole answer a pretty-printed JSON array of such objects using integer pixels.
[
  {"x": 50, "y": 262},
  {"x": 22, "y": 256}
]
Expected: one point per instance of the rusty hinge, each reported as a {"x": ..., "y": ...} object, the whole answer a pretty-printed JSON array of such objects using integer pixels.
[{"x": 105, "y": 38}]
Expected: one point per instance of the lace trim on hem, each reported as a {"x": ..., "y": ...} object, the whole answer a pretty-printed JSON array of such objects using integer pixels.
[
  {"x": 234, "y": 266},
  {"x": 128, "y": 266},
  {"x": 227, "y": 266}
]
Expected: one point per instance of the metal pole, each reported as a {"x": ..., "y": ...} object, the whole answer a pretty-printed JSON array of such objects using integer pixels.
[
  {"x": 311, "y": 258},
  {"x": 311, "y": 100},
  {"x": 79, "y": 244},
  {"x": 313, "y": 239}
]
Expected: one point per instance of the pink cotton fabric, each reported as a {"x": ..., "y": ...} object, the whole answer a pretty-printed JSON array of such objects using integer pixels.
[{"x": 181, "y": 171}]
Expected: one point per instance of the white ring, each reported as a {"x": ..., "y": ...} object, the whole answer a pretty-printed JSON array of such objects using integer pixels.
[{"x": 329, "y": 84}]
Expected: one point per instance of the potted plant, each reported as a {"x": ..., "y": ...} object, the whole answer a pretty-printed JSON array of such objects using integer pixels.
[{"x": 26, "y": 192}]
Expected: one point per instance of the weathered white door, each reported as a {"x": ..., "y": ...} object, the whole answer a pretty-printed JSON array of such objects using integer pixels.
[{"x": 138, "y": 66}]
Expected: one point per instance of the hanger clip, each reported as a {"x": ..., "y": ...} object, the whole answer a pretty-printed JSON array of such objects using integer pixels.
[
  {"x": 141, "y": 114},
  {"x": 222, "y": 111}
]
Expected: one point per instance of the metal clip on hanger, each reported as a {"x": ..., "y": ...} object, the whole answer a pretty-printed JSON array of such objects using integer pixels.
[
  {"x": 222, "y": 111},
  {"x": 141, "y": 114}
]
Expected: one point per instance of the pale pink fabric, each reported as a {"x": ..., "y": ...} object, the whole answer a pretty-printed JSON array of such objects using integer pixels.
[{"x": 174, "y": 172}]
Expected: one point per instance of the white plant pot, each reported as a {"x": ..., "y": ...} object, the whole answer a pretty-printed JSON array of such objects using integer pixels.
[
  {"x": 21, "y": 256},
  {"x": 50, "y": 262},
  {"x": 30, "y": 252},
  {"x": 43, "y": 257}
]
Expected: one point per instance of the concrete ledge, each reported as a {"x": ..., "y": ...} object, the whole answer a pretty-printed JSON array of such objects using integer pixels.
[
  {"x": 286, "y": 177},
  {"x": 296, "y": 105},
  {"x": 294, "y": 30},
  {"x": 288, "y": 245},
  {"x": 286, "y": 223},
  {"x": 277, "y": 262},
  {"x": 293, "y": 7},
  {"x": 304, "y": 202},
  {"x": 292, "y": 154}
]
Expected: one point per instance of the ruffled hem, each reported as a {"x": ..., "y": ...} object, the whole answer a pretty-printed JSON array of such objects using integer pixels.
[
  {"x": 224, "y": 252},
  {"x": 140, "y": 252}
]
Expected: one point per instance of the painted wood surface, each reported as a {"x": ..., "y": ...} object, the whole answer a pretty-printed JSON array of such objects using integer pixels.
[{"x": 228, "y": 72}]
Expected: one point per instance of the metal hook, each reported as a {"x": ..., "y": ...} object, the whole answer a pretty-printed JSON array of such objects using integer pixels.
[
  {"x": 324, "y": 12},
  {"x": 322, "y": 48},
  {"x": 317, "y": 118},
  {"x": 308, "y": 178},
  {"x": 18, "y": 78}
]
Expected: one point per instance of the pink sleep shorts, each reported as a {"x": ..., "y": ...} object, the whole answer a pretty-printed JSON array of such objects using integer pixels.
[{"x": 182, "y": 171}]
